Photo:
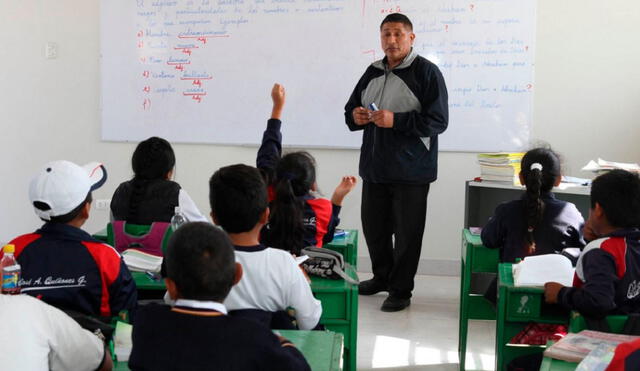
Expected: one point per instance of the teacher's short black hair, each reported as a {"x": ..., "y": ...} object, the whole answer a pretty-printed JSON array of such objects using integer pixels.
[
  {"x": 618, "y": 193},
  {"x": 201, "y": 261},
  {"x": 397, "y": 18},
  {"x": 237, "y": 196}
]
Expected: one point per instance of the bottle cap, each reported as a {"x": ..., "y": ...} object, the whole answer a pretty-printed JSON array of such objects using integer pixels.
[{"x": 9, "y": 249}]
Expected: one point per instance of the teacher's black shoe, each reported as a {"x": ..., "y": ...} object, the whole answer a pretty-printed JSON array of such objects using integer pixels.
[
  {"x": 394, "y": 304},
  {"x": 371, "y": 287}
]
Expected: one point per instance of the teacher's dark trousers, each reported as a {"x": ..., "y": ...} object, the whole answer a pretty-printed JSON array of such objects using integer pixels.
[{"x": 393, "y": 220}]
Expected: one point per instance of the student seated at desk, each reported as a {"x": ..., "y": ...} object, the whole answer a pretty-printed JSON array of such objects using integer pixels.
[
  {"x": 151, "y": 196},
  {"x": 272, "y": 280},
  {"x": 62, "y": 264},
  {"x": 37, "y": 336},
  {"x": 196, "y": 333},
  {"x": 538, "y": 223},
  {"x": 607, "y": 277},
  {"x": 298, "y": 218}
]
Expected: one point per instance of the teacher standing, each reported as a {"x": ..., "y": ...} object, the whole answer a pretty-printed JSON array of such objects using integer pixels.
[{"x": 398, "y": 157}]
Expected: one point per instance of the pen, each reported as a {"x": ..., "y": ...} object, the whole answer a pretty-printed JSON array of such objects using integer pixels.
[{"x": 151, "y": 276}]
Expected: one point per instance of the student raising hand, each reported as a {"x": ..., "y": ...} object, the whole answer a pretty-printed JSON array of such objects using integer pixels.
[
  {"x": 344, "y": 187},
  {"x": 278, "y": 98}
]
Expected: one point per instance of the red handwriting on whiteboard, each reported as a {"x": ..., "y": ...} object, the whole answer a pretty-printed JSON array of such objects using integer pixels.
[
  {"x": 140, "y": 33},
  {"x": 197, "y": 97},
  {"x": 145, "y": 74},
  {"x": 472, "y": 6},
  {"x": 370, "y": 51},
  {"x": 140, "y": 44},
  {"x": 146, "y": 89},
  {"x": 146, "y": 104},
  {"x": 202, "y": 39}
]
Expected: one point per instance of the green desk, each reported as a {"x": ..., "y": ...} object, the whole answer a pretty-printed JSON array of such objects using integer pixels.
[
  {"x": 322, "y": 349},
  {"x": 347, "y": 245},
  {"x": 517, "y": 306},
  {"x": 339, "y": 307},
  {"x": 478, "y": 267},
  {"x": 550, "y": 364}
]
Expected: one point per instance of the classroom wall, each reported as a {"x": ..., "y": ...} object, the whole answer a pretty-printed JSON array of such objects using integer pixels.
[{"x": 587, "y": 87}]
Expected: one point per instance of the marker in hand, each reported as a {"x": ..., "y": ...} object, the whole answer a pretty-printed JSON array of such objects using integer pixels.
[{"x": 372, "y": 107}]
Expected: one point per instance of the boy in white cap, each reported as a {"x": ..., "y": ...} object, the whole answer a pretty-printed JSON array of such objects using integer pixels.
[{"x": 62, "y": 264}]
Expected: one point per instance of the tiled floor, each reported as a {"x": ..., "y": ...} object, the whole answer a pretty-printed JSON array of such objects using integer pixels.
[{"x": 423, "y": 336}]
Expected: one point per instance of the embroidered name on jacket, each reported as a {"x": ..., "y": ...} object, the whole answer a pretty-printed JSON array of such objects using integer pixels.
[{"x": 50, "y": 282}]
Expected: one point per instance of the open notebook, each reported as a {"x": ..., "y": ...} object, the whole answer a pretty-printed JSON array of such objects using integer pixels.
[
  {"x": 139, "y": 261},
  {"x": 539, "y": 269}
]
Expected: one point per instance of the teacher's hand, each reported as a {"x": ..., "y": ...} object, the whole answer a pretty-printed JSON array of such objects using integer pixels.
[
  {"x": 361, "y": 115},
  {"x": 382, "y": 118}
]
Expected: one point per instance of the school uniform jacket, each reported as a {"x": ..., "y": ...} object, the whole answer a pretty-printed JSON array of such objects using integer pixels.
[
  {"x": 607, "y": 277},
  {"x": 320, "y": 216},
  {"x": 67, "y": 268},
  {"x": 415, "y": 92},
  {"x": 184, "y": 338},
  {"x": 560, "y": 227}
]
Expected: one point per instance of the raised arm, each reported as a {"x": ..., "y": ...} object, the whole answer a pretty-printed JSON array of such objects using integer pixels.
[{"x": 270, "y": 150}]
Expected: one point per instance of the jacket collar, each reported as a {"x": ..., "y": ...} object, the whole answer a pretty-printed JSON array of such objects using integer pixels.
[
  {"x": 68, "y": 231},
  {"x": 254, "y": 248},
  {"x": 406, "y": 62}
]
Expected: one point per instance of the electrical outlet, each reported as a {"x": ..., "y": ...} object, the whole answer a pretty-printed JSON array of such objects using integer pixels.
[
  {"x": 102, "y": 204},
  {"x": 51, "y": 50}
]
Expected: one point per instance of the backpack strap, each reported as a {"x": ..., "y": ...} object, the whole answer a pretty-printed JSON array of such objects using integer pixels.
[{"x": 150, "y": 242}]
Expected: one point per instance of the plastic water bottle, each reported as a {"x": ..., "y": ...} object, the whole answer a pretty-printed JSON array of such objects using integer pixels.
[
  {"x": 178, "y": 219},
  {"x": 10, "y": 271}
]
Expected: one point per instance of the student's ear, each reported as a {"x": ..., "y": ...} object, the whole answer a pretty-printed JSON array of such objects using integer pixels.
[
  {"x": 522, "y": 180},
  {"x": 169, "y": 175},
  {"x": 86, "y": 210},
  {"x": 238, "y": 275},
  {"x": 264, "y": 217},
  {"x": 172, "y": 289},
  {"x": 214, "y": 218},
  {"x": 558, "y": 180},
  {"x": 314, "y": 186}
]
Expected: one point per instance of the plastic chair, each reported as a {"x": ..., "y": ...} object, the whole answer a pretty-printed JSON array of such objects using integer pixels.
[{"x": 475, "y": 258}]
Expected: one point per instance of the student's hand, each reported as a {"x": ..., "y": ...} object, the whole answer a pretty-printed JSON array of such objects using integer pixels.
[
  {"x": 382, "y": 118},
  {"x": 278, "y": 98},
  {"x": 361, "y": 116},
  {"x": 344, "y": 187},
  {"x": 551, "y": 291}
]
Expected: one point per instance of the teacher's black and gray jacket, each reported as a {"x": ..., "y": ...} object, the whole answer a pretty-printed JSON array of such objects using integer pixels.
[{"x": 416, "y": 93}]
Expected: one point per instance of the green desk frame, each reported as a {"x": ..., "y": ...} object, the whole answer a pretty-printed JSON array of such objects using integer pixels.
[
  {"x": 517, "y": 306},
  {"x": 322, "y": 349},
  {"x": 339, "y": 308},
  {"x": 550, "y": 364},
  {"x": 475, "y": 259},
  {"x": 347, "y": 245}
]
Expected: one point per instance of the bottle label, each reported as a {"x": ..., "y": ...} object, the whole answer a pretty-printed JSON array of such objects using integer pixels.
[{"x": 10, "y": 280}]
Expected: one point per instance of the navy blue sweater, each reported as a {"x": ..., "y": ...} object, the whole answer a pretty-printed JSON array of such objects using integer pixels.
[
  {"x": 166, "y": 338},
  {"x": 561, "y": 227}
]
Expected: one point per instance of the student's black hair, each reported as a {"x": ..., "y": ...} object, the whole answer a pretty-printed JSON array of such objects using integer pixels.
[
  {"x": 397, "y": 18},
  {"x": 537, "y": 182},
  {"x": 201, "y": 261},
  {"x": 618, "y": 194},
  {"x": 237, "y": 196},
  {"x": 152, "y": 159},
  {"x": 66, "y": 218},
  {"x": 295, "y": 175}
]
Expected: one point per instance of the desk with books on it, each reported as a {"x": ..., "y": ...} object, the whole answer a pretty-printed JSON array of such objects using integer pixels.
[
  {"x": 321, "y": 349},
  {"x": 517, "y": 306},
  {"x": 482, "y": 198}
]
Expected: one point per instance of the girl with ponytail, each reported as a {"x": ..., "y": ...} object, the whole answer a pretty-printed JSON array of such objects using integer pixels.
[
  {"x": 151, "y": 196},
  {"x": 298, "y": 217},
  {"x": 538, "y": 223}
]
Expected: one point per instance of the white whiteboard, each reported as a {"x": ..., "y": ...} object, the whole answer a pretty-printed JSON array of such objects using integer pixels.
[{"x": 201, "y": 70}]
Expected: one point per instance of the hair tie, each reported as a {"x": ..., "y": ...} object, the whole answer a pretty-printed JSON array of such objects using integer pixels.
[{"x": 536, "y": 165}]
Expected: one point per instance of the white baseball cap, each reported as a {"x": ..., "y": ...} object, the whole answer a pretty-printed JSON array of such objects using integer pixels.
[{"x": 62, "y": 186}]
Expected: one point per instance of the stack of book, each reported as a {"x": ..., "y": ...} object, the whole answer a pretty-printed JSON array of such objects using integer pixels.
[
  {"x": 500, "y": 167},
  {"x": 602, "y": 166}
]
